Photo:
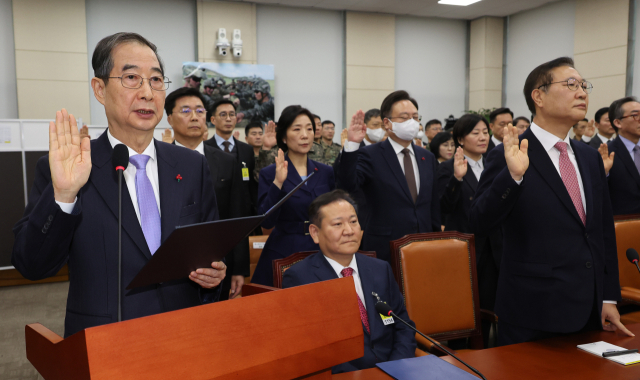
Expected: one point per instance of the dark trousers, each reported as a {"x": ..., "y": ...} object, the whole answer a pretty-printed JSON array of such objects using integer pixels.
[{"x": 512, "y": 334}]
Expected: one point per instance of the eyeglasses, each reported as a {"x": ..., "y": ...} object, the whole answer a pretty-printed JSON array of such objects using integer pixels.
[
  {"x": 415, "y": 117},
  {"x": 199, "y": 111},
  {"x": 224, "y": 115},
  {"x": 635, "y": 116},
  {"x": 134, "y": 82},
  {"x": 573, "y": 84}
]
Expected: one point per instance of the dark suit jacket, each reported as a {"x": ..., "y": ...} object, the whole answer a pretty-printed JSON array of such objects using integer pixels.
[
  {"x": 375, "y": 170},
  {"x": 554, "y": 269},
  {"x": 243, "y": 153},
  {"x": 364, "y": 214},
  {"x": 595, "y": 142},
  {"x": 489, "y": 147},
  {"x": 288, "y": 222},
  {"x": 86, "y": 239},
  {"x": 384, "y": 343},
  {"x": 624, "y": 181}
]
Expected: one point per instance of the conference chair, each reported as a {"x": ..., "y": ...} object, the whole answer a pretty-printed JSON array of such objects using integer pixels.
[
  {"x": 628, "y": 236},
  {"x": 281, "y": 265},
  {"x": 255, "y": 250},
  {"x": 437, "y": 275}
]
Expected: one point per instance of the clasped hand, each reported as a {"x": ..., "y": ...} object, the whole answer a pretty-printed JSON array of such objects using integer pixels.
[{"x": 209, "y": 277}]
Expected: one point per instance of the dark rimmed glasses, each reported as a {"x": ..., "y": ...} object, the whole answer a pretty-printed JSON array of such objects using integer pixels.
[
  {"x": 573, "y": 84},
  {"x": 635, "y": 116},
  {"x": 135, "y": 81}
]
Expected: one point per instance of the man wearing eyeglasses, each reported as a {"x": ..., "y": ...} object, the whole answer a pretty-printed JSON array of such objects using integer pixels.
[
  {"x": 396, "y": 177},
  {"x": 624, "y": 176},
  {"x": 72, "y": 215},
  {"x": 549, "y": 195},
  {"x": 224, "y": 118},
  {"x": 186, "y": 115}
]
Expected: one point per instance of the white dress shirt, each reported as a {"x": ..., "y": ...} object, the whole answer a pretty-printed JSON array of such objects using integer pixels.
[
  {"x": 130, "y": 175},
  {"x": 366, "y": 142},
  {"x": 220, "y": 140},
  {"x": 476, "y": 166},
  {"x": 199, "y": 148},
  {"x": 351, "y": 146},
  {"x": 604, "y": 139},
  {"x": 356, "y": 277},
  {"x": 495, "y": 140}
]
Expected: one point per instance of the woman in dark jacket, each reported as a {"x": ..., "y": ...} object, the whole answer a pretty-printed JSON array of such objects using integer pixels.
[
  {"x": 442, "y": 146},
  {"x": 290, "y": 222}
]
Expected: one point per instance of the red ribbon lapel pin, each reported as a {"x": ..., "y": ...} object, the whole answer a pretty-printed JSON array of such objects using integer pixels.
[{"x": 179, "y": 177}]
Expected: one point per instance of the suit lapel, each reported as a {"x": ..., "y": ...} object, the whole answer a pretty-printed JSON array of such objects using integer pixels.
[
  {"x": 367, "y": 280},
  {"x": 105, "y": 181},
  {"x": 423, "y": 171},
  {"x": 171, "y": 190},
  {"x": 323, "y": 271},
  {"x": 294, "y": 178},
  {"x": 541, "y": 161},
  {"x": 587, "y": 181},
  {"x": 470, "y": 178},
  {"x": 210, "y": 154},
  {"x": 625, "y": 157},
  {"x": 392, "y": 159}
]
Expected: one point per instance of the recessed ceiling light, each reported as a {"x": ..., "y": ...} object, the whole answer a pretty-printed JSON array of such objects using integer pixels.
[{"x": 463, "y": 3}]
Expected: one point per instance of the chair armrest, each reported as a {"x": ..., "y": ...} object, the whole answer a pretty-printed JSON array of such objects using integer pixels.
[
  {"x": 427, "y": 346},
  {"x": 488, "y": 316},
  {"x": 630, "y": 295}
]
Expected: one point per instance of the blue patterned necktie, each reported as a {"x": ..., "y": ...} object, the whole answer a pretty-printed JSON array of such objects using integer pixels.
[{"x": 147, "y": 205}]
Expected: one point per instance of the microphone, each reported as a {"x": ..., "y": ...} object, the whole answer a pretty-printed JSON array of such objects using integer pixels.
[
  {"x": 632, "y": 256},
  {"x": 385, "y": 309},
  {"x": 120, "y": 161}
]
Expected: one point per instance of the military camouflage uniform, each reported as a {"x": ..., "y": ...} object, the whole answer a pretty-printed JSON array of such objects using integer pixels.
[
  {"x": 268, "y": 157},
  {"x": 330, "y": 152}
]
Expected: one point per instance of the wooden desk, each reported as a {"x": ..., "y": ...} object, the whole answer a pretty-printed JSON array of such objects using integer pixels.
[{"x": 555, "y": 358}]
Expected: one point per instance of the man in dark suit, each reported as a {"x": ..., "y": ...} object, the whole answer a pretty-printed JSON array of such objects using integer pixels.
[
  {"x": 396, "y": 177},
  {"x": 498, "y": 119},
  {"x": 72, "y": 216},
  {"x": 187, "y": 116},
  {"x": 223, "y": 117},
  {"x": 605, "y": 132},
  {"x": 624, "y": 176},
  {"x": 334, "y": 226},
  {"x": 559, "y": 269}
]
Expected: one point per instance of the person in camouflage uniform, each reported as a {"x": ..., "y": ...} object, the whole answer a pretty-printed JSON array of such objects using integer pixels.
[
  {"x": 330, "y": 150},
  {"x": 263, "y": 110}
]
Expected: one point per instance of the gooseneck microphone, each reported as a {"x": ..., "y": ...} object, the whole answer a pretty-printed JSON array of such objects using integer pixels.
[
  {"x": 120, "y": 161},
  {"x": 632, "y": 256},
  {"x": 385, "y": 309}
]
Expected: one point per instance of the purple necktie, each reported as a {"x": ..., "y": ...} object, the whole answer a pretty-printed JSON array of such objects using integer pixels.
[
  {"x": 636, "y": 157},
  {"x": 570, "y": 179},
  {"x": 149, "y": 215}
]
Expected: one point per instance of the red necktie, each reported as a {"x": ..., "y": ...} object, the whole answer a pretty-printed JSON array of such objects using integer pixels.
[
  {"x": 570, "y": 179},
  {"x": 348, "y": 272}
]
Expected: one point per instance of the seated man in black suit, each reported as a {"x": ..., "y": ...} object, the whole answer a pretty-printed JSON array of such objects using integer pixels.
[
  {"x": 334, "y": 226},
  {"x": 624, "y": 175},
  {"x": 187, "y": 116}
]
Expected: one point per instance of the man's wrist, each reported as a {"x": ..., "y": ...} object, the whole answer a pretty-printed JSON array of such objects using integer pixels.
[{"x": 65, "y": 196}]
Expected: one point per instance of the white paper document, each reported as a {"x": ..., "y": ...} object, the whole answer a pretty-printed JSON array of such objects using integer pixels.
[{"x": 598, "y": 348}]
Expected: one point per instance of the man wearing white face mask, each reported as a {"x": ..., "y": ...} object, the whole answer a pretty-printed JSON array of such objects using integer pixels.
[{"x": 395, "y": 175}]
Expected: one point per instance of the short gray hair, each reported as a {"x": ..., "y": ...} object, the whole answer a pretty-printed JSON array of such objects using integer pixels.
[
  {"x": 615, "y": 109},
  {"x": 102, "y": 61}
]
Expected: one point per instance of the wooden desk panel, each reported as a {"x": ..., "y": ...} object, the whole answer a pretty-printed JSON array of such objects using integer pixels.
[{"x": 555, "y": 358}]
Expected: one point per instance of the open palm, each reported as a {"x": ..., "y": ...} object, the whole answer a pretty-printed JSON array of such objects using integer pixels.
[{"x": 515, "y": 154}]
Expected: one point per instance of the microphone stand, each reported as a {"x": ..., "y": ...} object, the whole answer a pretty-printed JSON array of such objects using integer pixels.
[
  {"x": 391, "y": 313},
  {"x": 120, "y": 171},
  {"x": 636, "y": 262}
]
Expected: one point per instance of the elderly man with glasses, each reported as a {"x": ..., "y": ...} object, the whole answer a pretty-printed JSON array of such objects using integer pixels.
[
  {"x": 72, "y": 215},
  {"x": 396, "y": 177},
  {"x": 549, "y": 196}
]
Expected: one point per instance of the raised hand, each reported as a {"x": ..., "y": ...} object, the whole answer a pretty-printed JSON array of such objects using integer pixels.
[
  {"x": 84, "y": 132},
  {"x": 607, "y": 158},
  {"x": 343, "y": 136},
  {"x": 591, "y": 129},
  {"x": 236, "y": 134},
  {"x": 166, "y": 136},
  {"x": 357, "y": 129},
  {"x": 205, "y": 135},
  {"x": 269, "y": 136},
  {"x": 281, "y": 169},
  {"x": 516, "y": 156},
  {"x": 69, "y": 157},
  {"x": 459, "y": 164}
]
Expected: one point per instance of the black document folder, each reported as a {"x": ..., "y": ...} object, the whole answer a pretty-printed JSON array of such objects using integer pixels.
[{"x": 198, "y": 245}]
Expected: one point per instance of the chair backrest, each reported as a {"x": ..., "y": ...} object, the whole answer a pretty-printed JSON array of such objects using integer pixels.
[
  {"x": 627, "y": 236},
  {"x": 436, "y": 273},
  {"x": 281, "y": 265},
  {"x": 255, "y": 250}
]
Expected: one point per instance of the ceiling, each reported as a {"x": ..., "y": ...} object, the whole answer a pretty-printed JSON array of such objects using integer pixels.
[{"x": 423, "y": 8}]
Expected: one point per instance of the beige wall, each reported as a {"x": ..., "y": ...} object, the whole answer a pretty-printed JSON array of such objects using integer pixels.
[
  {"x": 51, "y": 58},
  {"x": 213, "y": 15},
  {"x": 370, "y": 76},
  {"x": 600, "y": 49},
  {"x": 485, "y": 63}
]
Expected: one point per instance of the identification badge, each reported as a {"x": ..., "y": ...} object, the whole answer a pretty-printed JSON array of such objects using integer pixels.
[
  {"x": 245, "y": 172},
  {"x": 387, "y": 320}
]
